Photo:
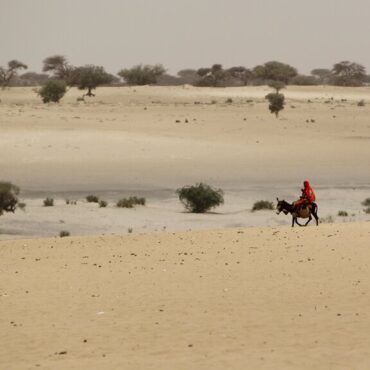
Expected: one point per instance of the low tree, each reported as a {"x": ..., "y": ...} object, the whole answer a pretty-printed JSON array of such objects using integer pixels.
[
  {"x": 348, "y": 74},
  {"x": 323, "y": 75},
  {"x": 188, "y": 76},
  {"x": 52, "y": 91},
  {"x": 8, "y": 197},
  {"x": 276, "y": 101},
  {"x": 200, "y": 198},
  {"x": 302, "y": 80},
  {"x": 89, "y": 77},
  {"x": 142, "y": 74},
  {"x": 214, "y": 76},
  {"x": 59, "y": 66},
  {"x": 32, "y": 79},
  {"x": 241, "y": 73},
  {"x": 9, "y": 73},
  {"x": 275, "y": 71}
]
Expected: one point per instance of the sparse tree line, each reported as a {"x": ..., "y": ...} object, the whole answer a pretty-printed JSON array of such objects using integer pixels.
[{"x": 88, "y": 77}]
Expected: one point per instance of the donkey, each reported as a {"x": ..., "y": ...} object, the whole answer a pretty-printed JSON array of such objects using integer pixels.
[{"x": 302, "y": 212}]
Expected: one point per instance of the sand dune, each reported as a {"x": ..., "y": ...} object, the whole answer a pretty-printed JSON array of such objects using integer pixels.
[{"x": 259, "y": 298}]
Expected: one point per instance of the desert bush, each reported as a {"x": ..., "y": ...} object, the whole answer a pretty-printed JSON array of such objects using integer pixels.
[
  {"x": 142, "y": 75},
  {"x": 200, "y": 198},
  {"x": 125, "y": 203},
  {"x": 48, "y": 202},
  {"x": 92, "y": 199},
  {"x": 8, "y": 197},
  {"x": 343, "y": 213},
  {"x": 361, "y": 103},
  {"x": 71, "y": 202},
  {"x": 103, "y": 204},
  {"x": 367, "y": 210},
  {"x": 276, "y": 101},
  {"x": 130, "y": 230},
  {"x": 229, "y": 101},
  {"x": 64, "y": 233},
  {"x": 52, "y": 91},
  {"x": 131, "y": 202},
  {"x": 262, "y": 204},
  {"x": 366, "y": 202}
]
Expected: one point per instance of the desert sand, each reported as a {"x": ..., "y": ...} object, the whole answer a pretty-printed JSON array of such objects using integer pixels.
[
  {"x": 148, "y": 141},
  {"x": 244, "y": 298},
  {"x": 231, "y": 289}
]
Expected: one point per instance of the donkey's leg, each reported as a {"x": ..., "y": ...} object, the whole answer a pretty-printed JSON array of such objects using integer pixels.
[
  {"x": 296, "y": 220},
  {"x": 293, "y": 221},
  {"x": 314, "y": 213},
  {"x": 308, "y": 221}
]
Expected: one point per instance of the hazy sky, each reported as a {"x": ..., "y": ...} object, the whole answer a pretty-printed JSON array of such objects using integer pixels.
[{"x": 186, "y": 33}]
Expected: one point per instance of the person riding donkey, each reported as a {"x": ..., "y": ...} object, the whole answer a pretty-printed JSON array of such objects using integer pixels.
[{"x": 307, "y": 198}]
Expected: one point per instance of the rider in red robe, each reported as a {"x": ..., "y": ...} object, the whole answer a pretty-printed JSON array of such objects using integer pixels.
[{"x": 308, "y": 195}]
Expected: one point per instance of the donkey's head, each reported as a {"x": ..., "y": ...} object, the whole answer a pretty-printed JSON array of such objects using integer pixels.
[{"x": 280, "y": 207}]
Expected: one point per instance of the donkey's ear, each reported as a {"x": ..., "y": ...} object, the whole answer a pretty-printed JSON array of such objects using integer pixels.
[{"x": 277, "y": 199}]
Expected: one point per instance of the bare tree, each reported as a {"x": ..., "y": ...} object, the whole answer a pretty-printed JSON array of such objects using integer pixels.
[{"x": 9, "y": 73}]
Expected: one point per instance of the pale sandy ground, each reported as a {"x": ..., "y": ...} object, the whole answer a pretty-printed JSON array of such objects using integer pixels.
[
  {"x": 126, "y": 141},
  {"x": 257, "y": 298},
  {"x": 228, "y": 298}
]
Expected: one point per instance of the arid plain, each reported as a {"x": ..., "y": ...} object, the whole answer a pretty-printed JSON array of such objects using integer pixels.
[
  {"x": 148, "y": 141},
  {"x": 232, "y": 289}
]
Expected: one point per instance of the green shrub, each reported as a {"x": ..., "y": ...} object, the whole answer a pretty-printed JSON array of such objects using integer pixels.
[
  {"x": 103, "y": 204},
  {"x": 64, "y": 233},
  {"x": 361, "y": 103},
  {"x": 124, "y": 203},
  {"x": 92, "y": 199},
  {"x": 200, "y": 198},
  {"x": 8, "y": 197},
  {"x": 366, "y": 202},
  {"x": 343, "y": 213},
  {"x": 262, "y": 204},
  {"x": 52, "y": 91},
  {"x": 131, "y": 202},
  {"x": 276, "y": 101},
  {"x": 48, "y": 202},
  {"x": 138, "y": 200}
]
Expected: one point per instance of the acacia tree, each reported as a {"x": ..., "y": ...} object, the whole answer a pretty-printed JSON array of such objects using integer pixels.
[
  {"x": 89, "y": 77},
  {"x": 8, "y": 197},
  {"x": 275, "y": 71},
  {"x": 7, "y": 74},
  {"x": 213, "y": 76},
  {"x": 322, "y": 74},
  {"x": 348, "y": 74},
  {"x": 142, "y": 74},
  {"x": 241, "y": 73},
  {"x": 59, "y": 66},
  {"x": 188, "y": 76}
]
